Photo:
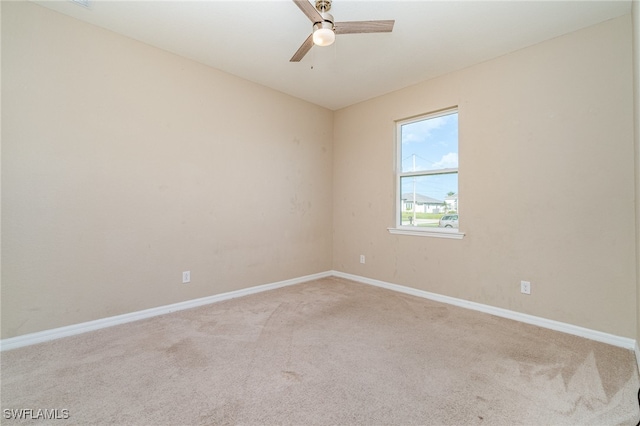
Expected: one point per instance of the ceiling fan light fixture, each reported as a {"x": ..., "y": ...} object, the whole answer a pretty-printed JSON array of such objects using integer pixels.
[
  {"x": 323, "y": 34},
  {"x": 324, "y": 30}
]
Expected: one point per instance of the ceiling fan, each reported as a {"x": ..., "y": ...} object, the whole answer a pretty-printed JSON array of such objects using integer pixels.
[{"x": 325, "y": 29}]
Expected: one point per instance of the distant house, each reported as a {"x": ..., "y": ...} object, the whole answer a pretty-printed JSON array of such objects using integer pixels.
[
  {"x": 452, "y": 202},
  {"x": 423, "y": 204}
]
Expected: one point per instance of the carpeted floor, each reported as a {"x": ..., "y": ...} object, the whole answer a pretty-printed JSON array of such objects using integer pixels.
[{"x": 325, "y": 352}]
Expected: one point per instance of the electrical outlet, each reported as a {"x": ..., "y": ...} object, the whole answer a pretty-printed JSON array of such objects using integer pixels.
[
  {"x": 186, "y": 277},
  {"x": 362, "y": 260},
  {"x": 525, "y": 287}
]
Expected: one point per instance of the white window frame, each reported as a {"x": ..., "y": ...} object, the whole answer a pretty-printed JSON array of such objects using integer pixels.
[{"x": 400, "y": 229}]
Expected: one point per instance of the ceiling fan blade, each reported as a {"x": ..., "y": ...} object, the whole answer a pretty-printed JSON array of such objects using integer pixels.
[
  {"x": 306, "y": 46},
  {"x": 309, "y": 10},
  {"x": 357, "y": 27}
]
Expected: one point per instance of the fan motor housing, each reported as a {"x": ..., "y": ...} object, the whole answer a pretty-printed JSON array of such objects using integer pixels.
[{"x": 327, "y": 21}]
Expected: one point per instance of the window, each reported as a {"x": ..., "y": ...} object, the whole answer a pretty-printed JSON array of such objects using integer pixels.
[{"x": 427, "y": 175}]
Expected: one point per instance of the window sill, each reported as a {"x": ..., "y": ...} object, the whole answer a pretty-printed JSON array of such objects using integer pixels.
[{"x": 437, "y": 233}]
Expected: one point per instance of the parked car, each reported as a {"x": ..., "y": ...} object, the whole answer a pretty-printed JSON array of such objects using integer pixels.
[{"x": 448, "y": 221}]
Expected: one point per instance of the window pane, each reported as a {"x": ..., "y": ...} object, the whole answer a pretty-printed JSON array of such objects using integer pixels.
[
  {"x": 430, "y": 144},
  {"x": 425, "y": 200}
]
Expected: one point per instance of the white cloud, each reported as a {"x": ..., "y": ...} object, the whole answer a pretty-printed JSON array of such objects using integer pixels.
[
  {"x": 448, "y": 161},
  {"x": 421, "y": 130},
  {"x": 411, "y": 137}
]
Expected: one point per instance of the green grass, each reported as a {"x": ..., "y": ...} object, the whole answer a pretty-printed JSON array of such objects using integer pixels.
[{"x": 407, "y": 215}]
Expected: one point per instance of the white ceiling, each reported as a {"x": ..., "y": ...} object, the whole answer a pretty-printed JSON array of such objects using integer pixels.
[{"x": 255, "y": 39}]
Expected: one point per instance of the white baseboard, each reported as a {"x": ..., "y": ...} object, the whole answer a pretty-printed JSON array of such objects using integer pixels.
[
  {"x": 56, "y": 333},
  {"x": 598, "y": 336}
]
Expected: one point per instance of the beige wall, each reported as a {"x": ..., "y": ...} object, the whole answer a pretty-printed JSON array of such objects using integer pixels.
[
  {"x": 546, "y": 183},
  {"x": 124, "y": 165}
]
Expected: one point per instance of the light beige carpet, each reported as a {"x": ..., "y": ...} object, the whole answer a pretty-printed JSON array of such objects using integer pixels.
[{"x": 325, "y": 352}]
